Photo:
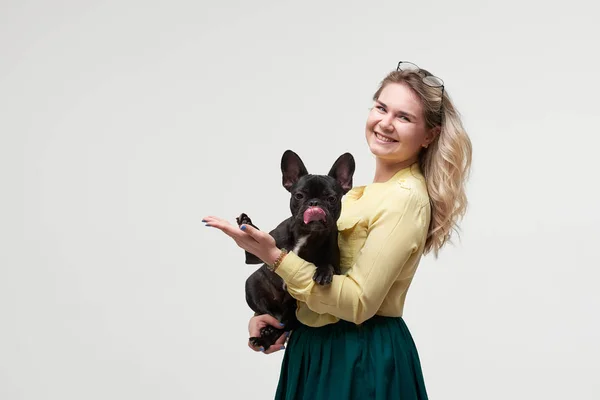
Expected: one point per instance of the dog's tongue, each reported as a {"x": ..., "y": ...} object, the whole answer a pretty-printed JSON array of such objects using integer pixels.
[{"x": 314, "y": 214}]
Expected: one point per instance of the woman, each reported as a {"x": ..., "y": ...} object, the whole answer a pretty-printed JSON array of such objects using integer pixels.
[{"x": 353, "y": 342}]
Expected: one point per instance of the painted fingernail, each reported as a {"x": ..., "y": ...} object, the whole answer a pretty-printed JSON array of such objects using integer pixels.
[
  {"x": 282, "y": 348},
  {"x": 243, "y": 227},
  {"x": 262, "y": 349},
  {"x": 281, "y": 324},
  {"x": 207, "y": 225},
  {"x": 203, "y": 220},
  {"x": 287, "y": 334}
]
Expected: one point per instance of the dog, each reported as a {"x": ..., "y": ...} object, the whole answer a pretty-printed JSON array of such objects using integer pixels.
[{"x": 310, "y": 232}]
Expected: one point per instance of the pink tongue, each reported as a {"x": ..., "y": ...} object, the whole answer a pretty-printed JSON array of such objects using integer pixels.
[{"x": 314, "y": 214}]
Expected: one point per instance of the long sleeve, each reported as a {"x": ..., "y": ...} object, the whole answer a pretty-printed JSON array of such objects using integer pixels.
[{"x": 396, "y": 232}]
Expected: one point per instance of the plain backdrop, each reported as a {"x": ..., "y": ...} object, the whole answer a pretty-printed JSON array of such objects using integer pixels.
[{"x": 123, "y": 123}]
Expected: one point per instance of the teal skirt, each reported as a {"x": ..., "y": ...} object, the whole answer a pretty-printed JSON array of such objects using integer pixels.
[{"x": 375, "y": 360}]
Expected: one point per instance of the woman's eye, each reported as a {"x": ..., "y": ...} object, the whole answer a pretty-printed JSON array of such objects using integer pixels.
[
  {"x": 403, "y": 118},
  {"x": 380, "y": 108},
  {"x": 299, "y": 196}
]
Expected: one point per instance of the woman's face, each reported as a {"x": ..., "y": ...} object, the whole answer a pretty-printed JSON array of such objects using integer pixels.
[{"x": 395, "y": 128}]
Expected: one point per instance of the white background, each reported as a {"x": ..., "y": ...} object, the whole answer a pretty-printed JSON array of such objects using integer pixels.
[{"x": 123, "y": 123}]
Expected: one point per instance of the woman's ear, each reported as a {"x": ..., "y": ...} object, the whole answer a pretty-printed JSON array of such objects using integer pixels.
[{"x": 431, "y": 135}]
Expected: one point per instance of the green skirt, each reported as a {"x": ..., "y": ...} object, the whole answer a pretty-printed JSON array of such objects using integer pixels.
[{"x": 375, "y": 360}]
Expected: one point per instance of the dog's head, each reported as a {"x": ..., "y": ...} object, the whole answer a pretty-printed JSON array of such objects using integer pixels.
[{"x": 316, "y": 200}]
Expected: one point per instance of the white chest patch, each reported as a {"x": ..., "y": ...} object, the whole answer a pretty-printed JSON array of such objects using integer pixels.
[{"x": 300, "y": 243}]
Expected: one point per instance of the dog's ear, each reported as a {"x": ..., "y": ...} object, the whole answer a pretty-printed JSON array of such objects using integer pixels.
[
  {"x": 343, "y": 171},
  {"x": 292, "y": 168}
]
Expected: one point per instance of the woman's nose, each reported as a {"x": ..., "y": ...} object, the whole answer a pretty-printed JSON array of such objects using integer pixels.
[{"x": 386, "y": 124}]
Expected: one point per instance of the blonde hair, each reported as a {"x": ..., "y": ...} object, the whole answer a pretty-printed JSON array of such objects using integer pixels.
[{"x": 445, "y": 163}]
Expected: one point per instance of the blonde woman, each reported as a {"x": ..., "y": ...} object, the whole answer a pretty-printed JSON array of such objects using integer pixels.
[{"x": 353, "y": 342}]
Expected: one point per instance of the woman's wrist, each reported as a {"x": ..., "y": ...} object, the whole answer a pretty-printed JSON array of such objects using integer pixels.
[{"x": 275, "y": 258}]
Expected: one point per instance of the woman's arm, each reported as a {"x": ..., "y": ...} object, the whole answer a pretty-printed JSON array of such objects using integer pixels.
[{"x": 394, "y": 235}]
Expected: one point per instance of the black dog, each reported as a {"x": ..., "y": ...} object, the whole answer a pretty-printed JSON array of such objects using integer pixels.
[{"x": 311, "y": 232}]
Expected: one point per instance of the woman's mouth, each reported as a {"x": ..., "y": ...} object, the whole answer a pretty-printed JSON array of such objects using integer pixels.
[{"x": 384, "y": 139}]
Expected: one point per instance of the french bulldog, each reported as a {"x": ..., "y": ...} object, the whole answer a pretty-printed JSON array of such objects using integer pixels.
[{"x": 310, "y": 232}]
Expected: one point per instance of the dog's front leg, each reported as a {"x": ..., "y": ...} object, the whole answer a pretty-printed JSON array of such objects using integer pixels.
[{"x": 324, "y": 274}]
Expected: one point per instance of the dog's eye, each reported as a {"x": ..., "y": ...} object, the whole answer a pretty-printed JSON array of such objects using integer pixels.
[
  {"x": 331, "y": 199},
  {"x": 299, "y": 196}
]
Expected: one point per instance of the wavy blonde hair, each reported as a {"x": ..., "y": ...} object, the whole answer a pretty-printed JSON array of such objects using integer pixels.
[{"x": 445, "y": 163}]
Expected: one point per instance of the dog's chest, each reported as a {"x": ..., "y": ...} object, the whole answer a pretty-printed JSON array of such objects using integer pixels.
[{"x": 300, "y": 243}]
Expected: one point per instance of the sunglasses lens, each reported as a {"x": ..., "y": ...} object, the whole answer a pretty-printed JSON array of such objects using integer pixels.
[
  {"x": 406, "y": 66},
  {"x": 433, "y": 81}
]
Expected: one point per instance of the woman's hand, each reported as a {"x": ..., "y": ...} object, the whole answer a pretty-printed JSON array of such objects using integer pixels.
[
  {"x": 256, "y": 242},
  {"x": 260, "y": 321}
]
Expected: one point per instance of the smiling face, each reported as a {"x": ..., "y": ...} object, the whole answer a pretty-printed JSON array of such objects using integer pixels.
[{"x": 396, "y": 130}]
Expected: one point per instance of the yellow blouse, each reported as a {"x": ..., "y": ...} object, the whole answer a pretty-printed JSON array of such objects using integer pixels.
[{"x": 382, "y": 232}]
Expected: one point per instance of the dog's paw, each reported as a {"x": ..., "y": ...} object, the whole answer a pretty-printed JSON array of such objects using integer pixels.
[
  {"x": 243, "y": 219},
  {"x": 257, "y": 342},
  {"x": 269, "y": 332},
  {"x": 268, "y": 336},
  {"x": 323, "y": 275}
]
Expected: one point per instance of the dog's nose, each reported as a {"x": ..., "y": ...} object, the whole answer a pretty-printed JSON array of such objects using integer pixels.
[{"x": 313, "y": 203}]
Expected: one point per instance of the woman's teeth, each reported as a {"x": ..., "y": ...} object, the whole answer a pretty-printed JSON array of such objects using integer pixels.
[{"x": 384, "y": 139}]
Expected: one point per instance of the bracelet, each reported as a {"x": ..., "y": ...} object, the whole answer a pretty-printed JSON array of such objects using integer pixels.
[{"x": 279, "y": 260}]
